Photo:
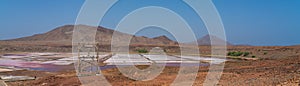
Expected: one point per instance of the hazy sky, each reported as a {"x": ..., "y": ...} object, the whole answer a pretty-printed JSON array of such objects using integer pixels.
[{"x": 254, "y": 22}]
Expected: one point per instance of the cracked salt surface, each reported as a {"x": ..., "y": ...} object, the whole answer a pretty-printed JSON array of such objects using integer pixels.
[
  {"x": 124, "y": 59},
  {"x": 136, "y": 59}
]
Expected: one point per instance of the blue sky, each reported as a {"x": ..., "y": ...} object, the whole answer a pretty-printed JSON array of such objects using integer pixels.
[{"x": 254, "y": 22}]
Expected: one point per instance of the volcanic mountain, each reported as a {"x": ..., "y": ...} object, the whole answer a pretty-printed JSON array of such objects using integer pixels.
[
  {"x": 206, "y": 40},
  {"x": 163, "y": 38},
  {"x": 103, "y": 36}
]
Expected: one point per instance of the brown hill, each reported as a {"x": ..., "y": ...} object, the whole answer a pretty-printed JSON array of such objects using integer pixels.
[
  {"x": 104, "y": 36},
  {"x": 206, "y": 40},
  {"x": 163, "y": 38}
]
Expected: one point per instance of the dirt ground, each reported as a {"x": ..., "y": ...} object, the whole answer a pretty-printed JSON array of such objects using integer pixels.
[
  {"x": 277, "y": 66},
  {"x": 283, "y": 71}
]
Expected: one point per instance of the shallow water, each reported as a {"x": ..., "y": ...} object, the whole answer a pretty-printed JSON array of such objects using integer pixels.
[
  {"x": 55, "y": 68},
  {"x": 66, "y": 63},
  {"x": 34, "y": 65}
]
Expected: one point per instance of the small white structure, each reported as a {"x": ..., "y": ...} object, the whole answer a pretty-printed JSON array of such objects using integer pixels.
[{"x": 16, "y": 78}]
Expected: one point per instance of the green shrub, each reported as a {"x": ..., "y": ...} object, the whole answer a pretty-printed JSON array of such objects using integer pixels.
[
  {"x": 265, "y": 53},
  {"x": 165, "y": 50},
  {"x": 235, "y": 53},
  {"x": 142, "y": 50},
  {"x": 246, "y": 53},
  {"x": 229, "y": 53},
  {"x": 238, "y": 53},
  {"x": 253, "y": 56}
]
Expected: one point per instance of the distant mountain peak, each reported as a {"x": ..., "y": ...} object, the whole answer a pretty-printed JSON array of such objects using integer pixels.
[
  {"x": 162, "y": 37},
  {"x": 206, "y": 40}
]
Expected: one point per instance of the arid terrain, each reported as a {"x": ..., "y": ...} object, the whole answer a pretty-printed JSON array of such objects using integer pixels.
[
  {"x": 262, "y": 66},
  {"x": 278, "y": 65}
]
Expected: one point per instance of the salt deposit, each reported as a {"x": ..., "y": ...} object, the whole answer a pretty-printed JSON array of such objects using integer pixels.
[
  {"x": 124, "y": 59},
  {"x": 162, "y": 58},
  {"x": 5, "y": 70},
  {"x": 16, "y": 78},
  {"x": 206, "y": 59}
]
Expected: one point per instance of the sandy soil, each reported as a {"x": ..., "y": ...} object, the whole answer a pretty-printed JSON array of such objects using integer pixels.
[
  {"x": 283, "y": 71},
  {"x": 276, "y": 65}
]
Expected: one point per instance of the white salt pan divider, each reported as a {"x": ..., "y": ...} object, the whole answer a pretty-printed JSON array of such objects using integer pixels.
[
  {"x": 181, "y": 59},
  {"x": 169, "y": 59},
  {"x": 69, "y": 60},
  {"x": 15, "y": 57},
  {"x": 58, "y": 62},
  {"x": 16, "y": 78},
  {"x": 30, "y": 55},
  {"x": 5, "y": 70},
  {"x": 43, "y": 54},
  {"x": 163, "y": 58},
  {"x": 76, "y": 58},
  {"x": 214, "y": 60},
  {"x": 125, "y": 59}
]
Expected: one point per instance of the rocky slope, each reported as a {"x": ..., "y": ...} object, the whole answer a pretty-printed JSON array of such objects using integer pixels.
[{"x": 104, "y": 36}]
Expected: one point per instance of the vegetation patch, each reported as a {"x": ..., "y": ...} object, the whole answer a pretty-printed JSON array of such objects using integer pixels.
[
  {"x": 238, "y": 53},
  {"x": 142, "y": 50},
  {"x": 265, "y": 53}
]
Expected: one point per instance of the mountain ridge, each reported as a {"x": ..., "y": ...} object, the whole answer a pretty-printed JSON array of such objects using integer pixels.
[
  {"x": 103, "y": 35},
  {"x": 206, "y": 40}
]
